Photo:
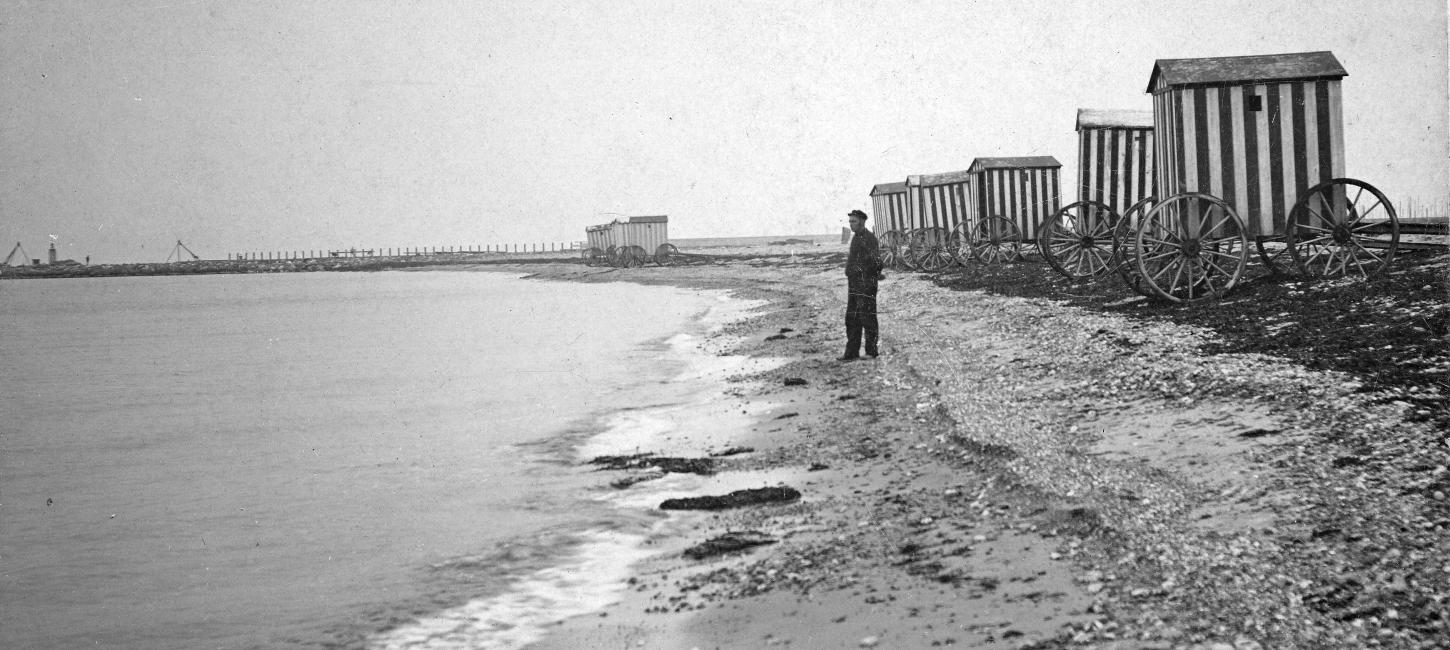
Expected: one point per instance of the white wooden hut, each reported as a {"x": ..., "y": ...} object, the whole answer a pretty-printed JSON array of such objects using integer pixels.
[
  {"x": 647, "y": 232},
  {"x": 600, "y": 236}
]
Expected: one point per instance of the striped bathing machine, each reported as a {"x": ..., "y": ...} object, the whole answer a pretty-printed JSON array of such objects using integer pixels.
[
  {"x": 1251, "y": 148},
  {"x": 600, "y": 242},
  {"x": 1011, "y": 197},
  {"x": 888, "y": 205},
  {"x": 939, "y": 208},
  {"x": 1115, "y": 179}
]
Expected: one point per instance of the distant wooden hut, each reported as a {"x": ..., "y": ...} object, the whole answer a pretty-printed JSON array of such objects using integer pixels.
[
  {"x": 1256, "y": 131},
  {"x": 888, "y": 205},
  {"x": 1115, "y": 157},
  {"x": 646, "y": 232},
  {"x": 600, "y": 237},
  {"x": 1023, "y": 190}
]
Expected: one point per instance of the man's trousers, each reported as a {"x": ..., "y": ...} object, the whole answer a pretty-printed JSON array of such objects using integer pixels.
[{"x": 861, "y": 317}]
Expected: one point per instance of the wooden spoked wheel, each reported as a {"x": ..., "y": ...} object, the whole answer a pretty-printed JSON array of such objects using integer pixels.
[
  {"x": 666, "y": 254},
  {"x": 593, "y": 256},
  {"x": 1125, "y": 255},
  {"x": 996, "y": 240},
  {"x": 1343, "y": 226},
  {"x": 1275, "y": 254},
  {"x": 959, "y": 243},
  {"x": 1191, "y": 247},
  {"x": 929, "y": 249},
  {"x": 611, "y": 256},
  {"x": 632, "y": 256},
  {"x": 908, "y": 256},
  {"x": 889, "y": 246},
  {"x": 1078, "y": 240}
]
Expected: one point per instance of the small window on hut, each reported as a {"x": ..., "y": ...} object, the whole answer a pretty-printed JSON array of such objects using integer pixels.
[{"x": 1255, "y": 102}]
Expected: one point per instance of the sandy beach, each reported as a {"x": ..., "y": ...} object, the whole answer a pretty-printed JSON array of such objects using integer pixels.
[{"x": 1026, "y": 472}]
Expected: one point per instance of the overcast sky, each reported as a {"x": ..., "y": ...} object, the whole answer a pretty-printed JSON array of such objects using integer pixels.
[{"x": 291, "y": 125}]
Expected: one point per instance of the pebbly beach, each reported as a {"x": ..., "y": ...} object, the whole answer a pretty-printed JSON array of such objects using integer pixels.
[{"x": 1039, "y": 463}]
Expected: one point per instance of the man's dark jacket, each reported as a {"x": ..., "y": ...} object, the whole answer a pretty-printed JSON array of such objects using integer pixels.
[{"x": 863, "y": 263}]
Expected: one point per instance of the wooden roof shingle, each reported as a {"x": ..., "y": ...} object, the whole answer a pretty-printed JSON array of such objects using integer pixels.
[
  {"x": 1110, "y": 118},
  {"x": 943, "y": 178},
  {"x": 1021, "y": 162},
  {"x": 1297, "y": 66}
]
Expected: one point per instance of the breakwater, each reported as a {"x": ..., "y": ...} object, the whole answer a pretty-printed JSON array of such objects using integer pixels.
[
  {"x": 414, "y": 251},
  {"x": 295, "y": 265}
]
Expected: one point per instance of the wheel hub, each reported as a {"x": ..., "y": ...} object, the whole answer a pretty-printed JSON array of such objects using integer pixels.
[
  {"x": 1341, "y": 234},
  {"x": 1191, "y": 248},
  {"x": 1088, "y": 241}
]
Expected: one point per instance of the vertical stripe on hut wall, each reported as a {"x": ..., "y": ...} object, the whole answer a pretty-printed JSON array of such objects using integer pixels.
[
  {"x": 1239, "y": 153},
  {"x": 1323, "y": 139},
  {"x": 1118, "y": 160},
  {"x": 1336, "y": 127},
  {"x": 1098, "y": 171},
  {"x": 1301, "y": 152},
  {"x": 1312, "y": 125},
  {"x": 1212, "y": 158},
  {"x": 1276, "y": 154},
  {"x": 959, "y": 203},
  {"x": 1287, "y": 168},
  {"x": 1261, "y": 178}
]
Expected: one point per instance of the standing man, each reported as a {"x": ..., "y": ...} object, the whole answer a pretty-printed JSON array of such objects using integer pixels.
[{"x": 863, "y": 270}]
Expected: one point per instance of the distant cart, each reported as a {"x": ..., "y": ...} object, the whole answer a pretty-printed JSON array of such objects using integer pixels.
[
  {"x": 1251, "y": 149},
  {"x": 633, "y": 242}
]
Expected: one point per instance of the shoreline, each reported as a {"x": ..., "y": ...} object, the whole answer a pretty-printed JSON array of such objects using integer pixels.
[{"x": 1014, "y": 473}]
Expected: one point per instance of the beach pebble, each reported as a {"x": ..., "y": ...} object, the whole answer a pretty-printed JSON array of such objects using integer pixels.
[
  {"x": 870, "y": 642},
  {"x": 1095, "y": 587}
]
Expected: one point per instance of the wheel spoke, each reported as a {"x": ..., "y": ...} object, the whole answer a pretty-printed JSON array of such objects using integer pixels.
[
  {"x": 1328, "y": 209},
  {"x": 1218, "y": 268},
  {"x": 1177, "y": 275}
]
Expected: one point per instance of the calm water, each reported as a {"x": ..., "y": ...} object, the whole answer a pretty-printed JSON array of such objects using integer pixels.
[{"x": 308, "y": 459}]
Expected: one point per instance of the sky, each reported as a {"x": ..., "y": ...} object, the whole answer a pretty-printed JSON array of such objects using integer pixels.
[{"x": 294, "y": 125}]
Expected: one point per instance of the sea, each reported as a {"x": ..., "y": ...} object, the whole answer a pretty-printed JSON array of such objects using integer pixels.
[{"x": 311, "y": 460}]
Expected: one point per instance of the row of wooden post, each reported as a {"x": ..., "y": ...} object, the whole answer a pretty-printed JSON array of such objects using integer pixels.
[{"x": 394, "y": 252}]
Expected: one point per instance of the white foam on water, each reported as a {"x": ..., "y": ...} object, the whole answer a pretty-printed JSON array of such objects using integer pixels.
[{"x": 591, "y": 579}]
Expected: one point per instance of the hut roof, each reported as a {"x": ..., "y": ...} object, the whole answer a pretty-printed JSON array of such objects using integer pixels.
[
  {"x": 1023, "y": 162},
  {"x": 939, "y": 179},
  {"x": 1110, "y": 118},
  {"x": 649, "y": 219},
  {"x": 1299, "y": 66},
  {"x": 888, "y": 188}
]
